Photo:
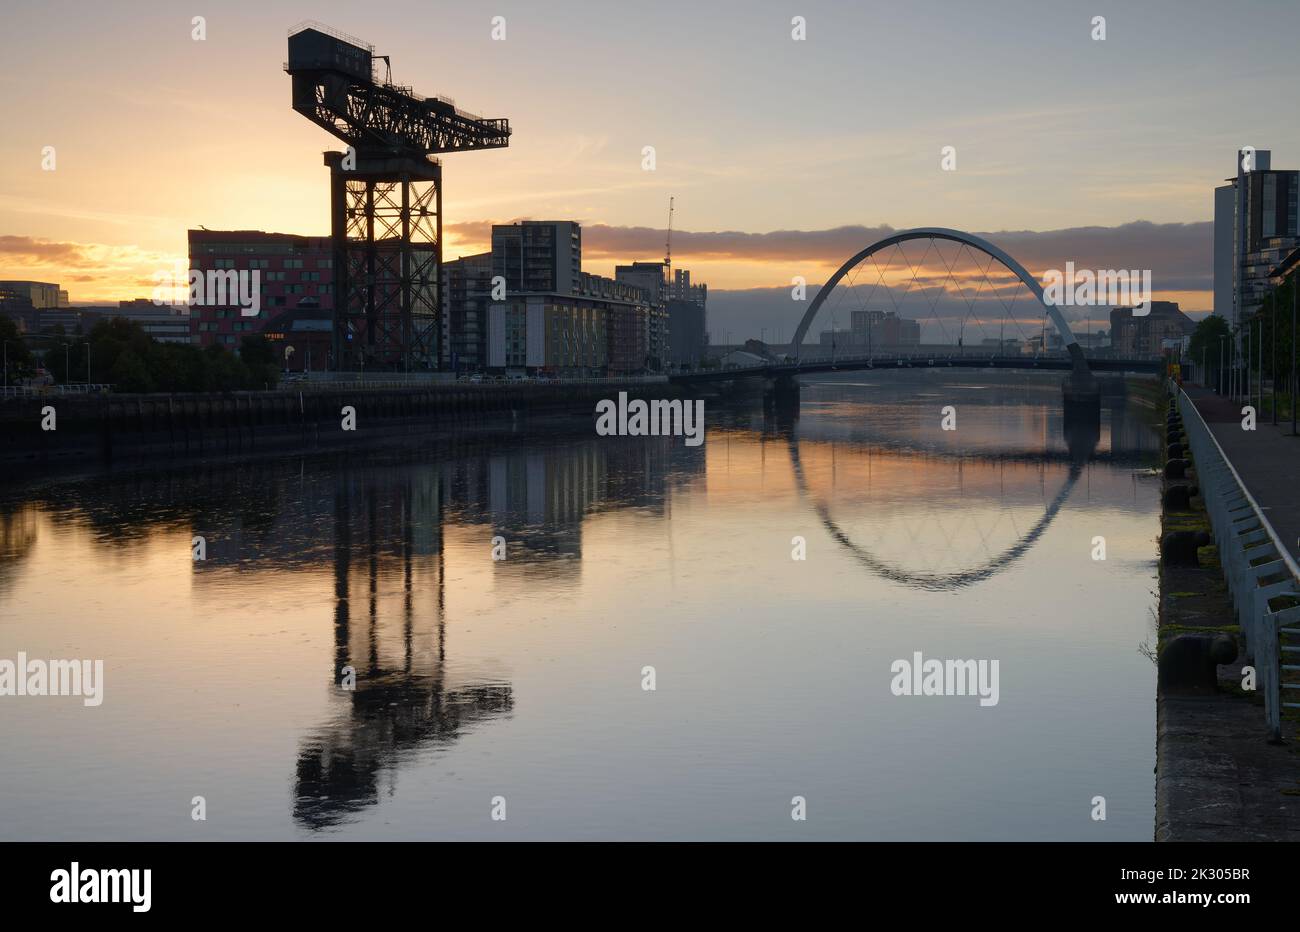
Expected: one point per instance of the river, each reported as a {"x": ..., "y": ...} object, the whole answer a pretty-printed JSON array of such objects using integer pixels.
[{"x": 518, "y": 686}]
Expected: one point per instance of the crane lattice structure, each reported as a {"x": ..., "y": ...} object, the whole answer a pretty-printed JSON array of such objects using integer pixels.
[{"x": 385, "y": 195}]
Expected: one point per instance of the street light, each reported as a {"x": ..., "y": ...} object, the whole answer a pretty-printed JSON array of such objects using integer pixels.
[
  {"x": 1220, "y": 372},
  {"x": 1272, "y": 312},
  {"x": 1295, "y": 283}
]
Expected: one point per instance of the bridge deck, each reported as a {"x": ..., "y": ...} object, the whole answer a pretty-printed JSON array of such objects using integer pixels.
[{"x": 926, "y": 361}]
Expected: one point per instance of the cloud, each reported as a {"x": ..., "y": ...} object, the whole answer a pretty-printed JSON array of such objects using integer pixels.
[
  {"x": 1178, "y": 253},
  {"x": 26, "y": 250},
  {"x": 105, "y": 271}
]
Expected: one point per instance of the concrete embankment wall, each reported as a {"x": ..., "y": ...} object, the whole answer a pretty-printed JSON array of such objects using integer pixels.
[{"x": 109, "y": 426}]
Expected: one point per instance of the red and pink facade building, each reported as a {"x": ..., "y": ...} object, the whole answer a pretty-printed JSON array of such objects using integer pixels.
[{"x": 296, "y": 272}]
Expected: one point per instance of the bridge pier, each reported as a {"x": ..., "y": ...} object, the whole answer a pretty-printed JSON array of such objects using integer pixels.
[
  {"x": 1081, "y": 392},
  {"x": 781, "y": 395}
]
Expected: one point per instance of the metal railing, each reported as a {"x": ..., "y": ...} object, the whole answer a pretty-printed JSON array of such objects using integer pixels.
[
  {"x": 448, "y": 385},
  {"x": 75, "y": 388},
  {"x": 1256, "y": 565}
]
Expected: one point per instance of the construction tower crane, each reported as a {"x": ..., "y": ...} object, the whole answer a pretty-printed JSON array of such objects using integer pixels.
[
  {"x": 385, "y": 195},
  {"x": 667, "y": 246}
]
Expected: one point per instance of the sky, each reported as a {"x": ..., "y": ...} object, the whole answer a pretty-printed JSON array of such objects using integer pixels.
[{"x": 784, "y": 157}]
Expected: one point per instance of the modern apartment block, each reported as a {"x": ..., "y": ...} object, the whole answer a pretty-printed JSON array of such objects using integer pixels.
[
  {"x": 650, "y": 278},
  {"x": 538, "y": 255},
  {"x": 1256, "y": 224},
  {"x": 591, "y": 331},
  {"x": 296, "y": 272},
  {"x": 688, "y": 321},
  {"x": 466, "y": 295},
  {"x": 554, "y": 319}
]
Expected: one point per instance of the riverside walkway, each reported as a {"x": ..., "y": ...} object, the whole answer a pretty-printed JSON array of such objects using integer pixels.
[
  {"x": 1217, "y": 777},
  {"x": 1267, "y": 459}
]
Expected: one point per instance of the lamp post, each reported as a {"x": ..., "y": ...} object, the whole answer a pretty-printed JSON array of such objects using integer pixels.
[
  {"x": 1220, "y": 372},
  {"x": 87, "y": 365},
  {"x": 1259, "y": 360},
  {"x": 1247, "y": 377},
  {"x": 1272, "y": 311},
  {"x": 1295, "y": 283},
  {"x": 67, "y": 366}
]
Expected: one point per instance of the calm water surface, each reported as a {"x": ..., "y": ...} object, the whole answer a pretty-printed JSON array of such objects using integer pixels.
[{"x": 522, "y": 678}]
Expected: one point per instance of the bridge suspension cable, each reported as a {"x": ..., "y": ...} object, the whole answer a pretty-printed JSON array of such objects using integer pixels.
[{"x": 954, "y": 299}]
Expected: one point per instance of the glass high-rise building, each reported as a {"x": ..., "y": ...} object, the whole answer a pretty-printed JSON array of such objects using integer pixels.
[{"x": 1256, "y": 224}]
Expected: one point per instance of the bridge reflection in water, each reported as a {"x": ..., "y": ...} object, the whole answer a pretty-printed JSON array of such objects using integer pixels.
[
  {"x": 388, "y": 551},
  {"x": 1130, "y": 442}
]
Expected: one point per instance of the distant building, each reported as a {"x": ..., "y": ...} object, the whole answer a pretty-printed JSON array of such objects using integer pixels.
[
  {"x": 645, "y": 275},
  {"x": 555, "y": 319},
  {"x": 1133, "y": 337},
  {"x": 875, "y": 331},
  {"x": 295, "y": 271},
  {"x": 596, "y": 329},
  {"x": 40, "y": 294},
  {"x": 542, "y": 256},
  {"x": 1091, "y": 342},
  {"x": 882, "y": 329},
  {"x": 166, "y": 324},
  {"x": 688, "y": 323},
  {"x": 1256, "y": 224},
  {"x": 999, "y": 346},
  {"x": 649, "y": 277},
  {"x": 302, "y": 338},
  {"x": 32, "y": 320},
  {"x": 742, "y": 358},
  {"x": 466, "y": 295}
]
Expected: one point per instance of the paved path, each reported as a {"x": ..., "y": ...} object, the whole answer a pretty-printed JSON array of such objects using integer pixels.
[
  {"x": 1217, "y": 778},
  {"x": 1267, "y": 459}
]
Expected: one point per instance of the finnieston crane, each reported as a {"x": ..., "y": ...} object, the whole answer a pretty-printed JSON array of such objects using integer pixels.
[{"x": 385, "y": 195}]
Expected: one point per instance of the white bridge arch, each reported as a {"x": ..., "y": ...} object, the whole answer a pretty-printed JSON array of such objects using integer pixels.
[{"x": 956, "y": 236}]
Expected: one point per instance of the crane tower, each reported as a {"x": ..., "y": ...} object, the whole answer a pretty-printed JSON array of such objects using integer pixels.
[{"x": 385, "y": 195}]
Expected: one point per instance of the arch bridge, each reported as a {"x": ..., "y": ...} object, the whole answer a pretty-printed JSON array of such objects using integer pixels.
[{"x": 1074, "y": 362}]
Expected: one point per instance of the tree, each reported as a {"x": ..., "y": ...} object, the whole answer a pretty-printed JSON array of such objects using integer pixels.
[
  {"x": 259, "y": 355},
  {"x": 20, "y": 361},
  {"x": 1204, "y": 345},
  {"x": 130, "y": 374},
  {"x": 1271, "y": 325},
  {"x": 226, "y": 372}
]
